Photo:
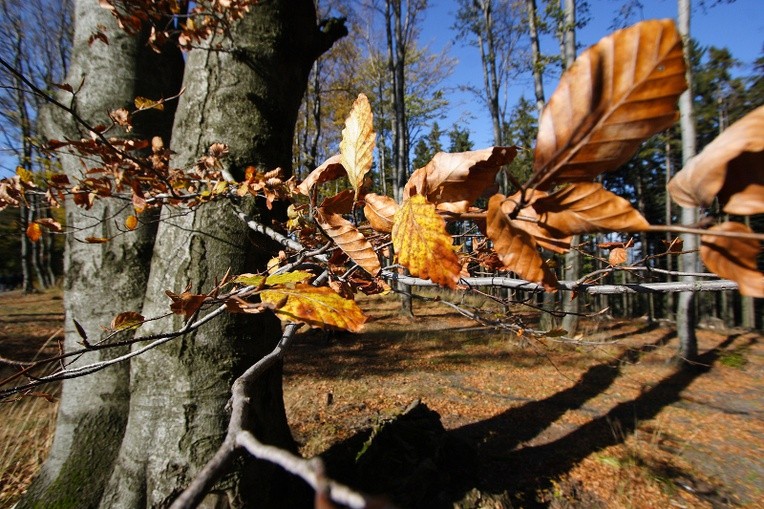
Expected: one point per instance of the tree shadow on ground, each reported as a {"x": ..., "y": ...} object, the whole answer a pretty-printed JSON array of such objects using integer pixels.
[{"x": 525, "y": 471}]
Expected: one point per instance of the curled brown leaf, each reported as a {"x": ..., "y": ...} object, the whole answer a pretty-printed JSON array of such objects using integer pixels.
[{"x": 733, "y": 258}]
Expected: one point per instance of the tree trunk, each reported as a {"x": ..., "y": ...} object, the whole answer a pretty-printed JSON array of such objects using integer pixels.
[
  {"x": 246, "y": 95},
  {"x": 101, "y": 280},
  {"x": 536, "y": 62},
  {"x": 685, "y": 314}
]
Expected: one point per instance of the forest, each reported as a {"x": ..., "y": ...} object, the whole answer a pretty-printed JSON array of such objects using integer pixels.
[{"x": 211, "y": 186}]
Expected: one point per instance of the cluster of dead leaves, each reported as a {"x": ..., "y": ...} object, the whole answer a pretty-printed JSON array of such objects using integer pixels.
[
  {"x": 192, "y": 25},
  {"x": 729, "y": 170}
]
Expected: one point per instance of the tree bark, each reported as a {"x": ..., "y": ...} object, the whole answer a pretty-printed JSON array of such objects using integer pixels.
[
  {"x": 101, "y": 280},
  {"x": 536, "y": 62},
  {"x": 685, "y": 314},
  {"x": 246, "y": 94}
]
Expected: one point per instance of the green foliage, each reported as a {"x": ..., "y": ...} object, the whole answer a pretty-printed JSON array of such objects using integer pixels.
[
  {"x": 521, "y": 130},
  {"x": 459, "y": 140}
]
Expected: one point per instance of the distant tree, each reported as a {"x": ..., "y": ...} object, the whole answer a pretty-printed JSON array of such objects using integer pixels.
[
  {"x": 428, "y": 146},
  {"x": 459, "y": 140}
]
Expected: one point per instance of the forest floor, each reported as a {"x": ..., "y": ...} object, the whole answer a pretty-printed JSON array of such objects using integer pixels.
[{"x": 608, "y": 421}]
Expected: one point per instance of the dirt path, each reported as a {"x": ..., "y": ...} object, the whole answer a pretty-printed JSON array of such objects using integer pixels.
[{"x": 607, "y": 425}]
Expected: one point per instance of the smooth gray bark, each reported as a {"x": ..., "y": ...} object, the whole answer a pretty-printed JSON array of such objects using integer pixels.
[
  {"x": 686, "y": 318},
  {"x": 101, "y": 280},
  {"x": 246, "y": 95}
]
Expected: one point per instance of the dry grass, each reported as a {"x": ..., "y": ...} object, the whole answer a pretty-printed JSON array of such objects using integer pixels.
[{"x": 29, "y": 328}]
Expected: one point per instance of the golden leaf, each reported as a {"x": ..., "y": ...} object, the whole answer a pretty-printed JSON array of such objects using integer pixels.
[
  {"x": 297, "y": 276},
  {"x": 316, "y": 306},
  {"x": 350, "y": 240},
  {"x": 380, "y": 211},
  {"x": 25, "y": 175},
  {"x": 587, "y": 207},
  {"x": 454, "y": 181},
  {"x": 143, "y": 103},
  {"x": 131, "y": 222},
  {"x": 617, "y": 93},
  {"x": 332, "y": 169},
  {"x": 127, "y": 320},
  {"x": 617, "y": 256},
  {"x": 422, "y": 244},
  {"x": 730, "y": 167},
  {"x": 515, "y": 247},
  {"x": 357, "y": 145},
  {"x": 34, "y": 232},
  {"x": 733, "y": 258}
]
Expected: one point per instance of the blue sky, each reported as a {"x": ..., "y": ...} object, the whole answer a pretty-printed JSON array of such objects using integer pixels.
[{"x": 738, "y": 26}]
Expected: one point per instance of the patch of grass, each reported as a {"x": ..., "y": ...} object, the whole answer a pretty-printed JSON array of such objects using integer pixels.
[{"x": 734, "y": 359}]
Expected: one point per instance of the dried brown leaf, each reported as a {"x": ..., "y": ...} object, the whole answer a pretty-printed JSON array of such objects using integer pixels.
[
  {"x": 587, "y": 207},
  {"x": 331, "y": 169},
  {"x": 527, "y": 219},
  {"x": 186, "y": 304},
  {"x": 340, "y": 203},
  {"x": 349, "y": 239},
  {"x": 730, "y": 167},
  {"x": 515, "y": 247},
  {"x": 618, "y": 256},
  {"x": 454, "y": 181},
  {"x": 618, "y": 92},
  {"x": 127, "y": 320},
  {"x": 380, "y": 211},
  {"x": 734, "y": 258},
  {"x": 422, "y": 244},
  {"x": 357, "y": 145}
]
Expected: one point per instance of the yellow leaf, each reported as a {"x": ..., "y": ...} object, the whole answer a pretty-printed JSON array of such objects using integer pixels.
[
  {"x": 733, "y": 258},
  {"x": 131, "y": 222},
  {"x": 618, "y": 92},
  {"x": 143, "y": 103},
  {"x": 298, "y": 276},
  {"x": 24, "y": 175},
  {"x": 316, "y": 306},
  {"x": 730, "y": 167},
  {"x": 34, "y": 232},
  {"x": 380, "y": 211},
  {"x": 357, "y": 145},
  {"x": 515, "y": 247},
  {"x": 422, "y": 244},
  {"x": 350, "y": 240},
  {"x": 587, "y": 207}
]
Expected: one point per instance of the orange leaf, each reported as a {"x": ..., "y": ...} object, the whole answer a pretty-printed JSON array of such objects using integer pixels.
[
  {"x": 380, "y": 211},
  {"x": 316, "y": 306},
  {"x": 186, "y": 304},
  {"x": 454, "y": 181},
  {"x": 515, "y": 247},
  {"x": 528, "y": 220},
  {"x": 350, "y": 240},
  {"x": 34, "y": 232},
  {"x": 618, "y": 256},
  {"x": 330, "y": 170},
  {"x": 733, "y": 258},
  {"x": 730, "y": 167},
  {"x": 127, "y": 320},
  {"x": 618, "y": 93},
  {"x": 422, "y": 243},
  {"x": 357, "y": 145},
  {"x": 131, "y": 222},
  {"x": 587, "y": 207}
]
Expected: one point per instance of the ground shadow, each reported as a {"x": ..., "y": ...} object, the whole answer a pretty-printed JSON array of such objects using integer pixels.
[{"x": 524, "y": 471}]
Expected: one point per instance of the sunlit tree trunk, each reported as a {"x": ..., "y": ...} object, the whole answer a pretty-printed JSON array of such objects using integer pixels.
[
  {"x": 248, "y": 96},
  {"x": 101, "y": 280},
  {"x": 536, "y": 58},
  {"x": 685, "y": 315}
]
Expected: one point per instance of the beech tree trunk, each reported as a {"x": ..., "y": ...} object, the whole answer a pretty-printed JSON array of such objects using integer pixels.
[
  {"x": 247, "y": 95},
  {"x": 536, "y": 62},
  {"x": 685, "y": 314},
  {"x": 101, "y": 280}
]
